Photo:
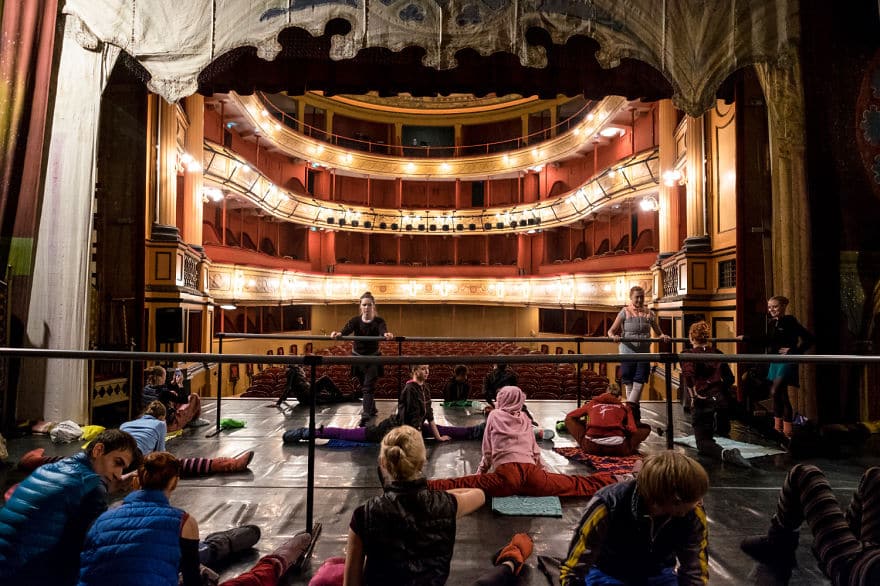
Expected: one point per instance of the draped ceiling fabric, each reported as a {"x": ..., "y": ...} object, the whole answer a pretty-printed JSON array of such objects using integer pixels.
[{"x": 694, "y": 44}]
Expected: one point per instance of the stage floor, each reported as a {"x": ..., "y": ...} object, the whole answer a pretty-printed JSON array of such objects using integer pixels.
[{"x": 272, "y": 495}]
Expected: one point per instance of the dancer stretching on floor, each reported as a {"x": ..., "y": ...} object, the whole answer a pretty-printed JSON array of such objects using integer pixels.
[
  {"x": 845, "y": 544},
  {"x": 509, "y": 447},
  {"x": 406, "y": 535},
  {"x": 149, "y": 432},
  {"x": 413, "y": 409}
]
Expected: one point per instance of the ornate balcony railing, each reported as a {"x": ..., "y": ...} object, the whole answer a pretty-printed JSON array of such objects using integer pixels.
[{"x": 225, "y": 169}]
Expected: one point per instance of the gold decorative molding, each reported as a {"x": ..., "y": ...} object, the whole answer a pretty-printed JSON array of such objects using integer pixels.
[
  {"x": 633, "y": 177},
  {"x": 243, "y": 285},
  {"x": 354, "y": 162}
]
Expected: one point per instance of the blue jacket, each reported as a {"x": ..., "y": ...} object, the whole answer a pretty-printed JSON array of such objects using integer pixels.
[
  {"x": 43, "y": 524},
  {"x": 135, "y": 544}
]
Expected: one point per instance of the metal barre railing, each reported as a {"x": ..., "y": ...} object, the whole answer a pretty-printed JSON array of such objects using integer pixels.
[{"x": 313, "y": 361}]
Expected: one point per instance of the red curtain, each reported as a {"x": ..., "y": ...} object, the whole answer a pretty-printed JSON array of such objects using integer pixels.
[{"x": 27, "y": 39}]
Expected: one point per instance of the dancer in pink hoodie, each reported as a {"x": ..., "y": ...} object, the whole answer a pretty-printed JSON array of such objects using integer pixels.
[{"x": 510, "y": 450}]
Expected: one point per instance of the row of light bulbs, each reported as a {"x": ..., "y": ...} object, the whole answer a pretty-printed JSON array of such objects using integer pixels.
[{"x": 445, "y": 167}]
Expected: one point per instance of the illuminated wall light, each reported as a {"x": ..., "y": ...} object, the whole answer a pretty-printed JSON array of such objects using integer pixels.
[
  {"x": 246, "y": 168},
  {"x": 251, "y": 283},
  {"x": 649, "y": 204},
  {"x": 536, "y": 153},
  {"x": 319, "y": 149},
  {"x": 348, "y": 158},
  {"x": 410, "y": 167},
  {"x": 506, "y": 159},
  {"x": 186, "y": 158},
  {"x": 276, "y": 126},
  {"x": 671, "y": 177},
  {"x": 612, "y": 132},
  {"x": 590, "y": 117},
  {"x": 612, "y": 173},
  {"x": 445, "y": 167},
  {"x": 576, "y": 131},
  {"x": 264, "y": 112}
]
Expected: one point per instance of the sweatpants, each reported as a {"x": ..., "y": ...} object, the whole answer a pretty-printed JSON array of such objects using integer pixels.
[
  {"x": 578, "y": 430},
  {"x": 844, "y": 543},
  {"x": 267, "y": 571},
  {"x": 517, "y": 478}
]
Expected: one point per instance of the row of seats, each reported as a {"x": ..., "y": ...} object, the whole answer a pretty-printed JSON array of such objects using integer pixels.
[{"x": 539, "y": 381}]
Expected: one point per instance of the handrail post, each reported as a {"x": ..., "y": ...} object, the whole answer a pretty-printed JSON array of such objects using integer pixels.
[
  {"x": 667, "y": 361},
  {"x": 313, "y": 361},
  {"x": 579, "y": 365},
  {"x": 400, "y": 340},
  {"x": 219, "y": 377}
]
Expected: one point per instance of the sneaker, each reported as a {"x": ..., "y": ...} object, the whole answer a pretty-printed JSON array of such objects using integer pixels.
[
  {"x": 735, "y": 457},
  {"x": 560, "y": 426},
  {"x": 777, "y": 552},
  {"x": 292, "y": 436},
  {"x": 517, "y": 552}
]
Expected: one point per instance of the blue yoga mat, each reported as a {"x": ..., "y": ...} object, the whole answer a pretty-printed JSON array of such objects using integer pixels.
[
  {"x": 340, "y": 444},
  {"x": 747, "y": 450},
  {"x": 528, "y": 506}
]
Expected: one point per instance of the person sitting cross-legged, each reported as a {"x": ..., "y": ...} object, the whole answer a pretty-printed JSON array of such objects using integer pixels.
[{"x": 606, "y": 427}]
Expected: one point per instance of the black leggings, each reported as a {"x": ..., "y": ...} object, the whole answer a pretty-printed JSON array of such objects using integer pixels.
[
  {"x": 839, "y": 538},
  {"x": 781, "y": 401}
]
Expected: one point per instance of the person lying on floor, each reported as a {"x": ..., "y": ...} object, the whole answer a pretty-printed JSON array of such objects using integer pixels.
[
  {"x": 413, "y": 409},
  {"x": 45, "y": 519},
  {"x": 606, "y": 427},
  {"x": 845, "y": 544},
  {"x": 147, "y": 527},
  {"x": 514, "y": 458},
  {"x": 298, "y": 386},
  {"x": 149, "y": 431},
  {"x": 636, "y": 531},
  {"x": 181, "y": 411}
]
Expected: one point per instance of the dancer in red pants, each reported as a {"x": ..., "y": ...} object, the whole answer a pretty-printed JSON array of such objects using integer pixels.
[{"x": 510, "y": 450}]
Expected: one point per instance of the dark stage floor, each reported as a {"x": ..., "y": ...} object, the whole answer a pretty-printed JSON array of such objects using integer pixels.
[{"x": 273, "y": 495}]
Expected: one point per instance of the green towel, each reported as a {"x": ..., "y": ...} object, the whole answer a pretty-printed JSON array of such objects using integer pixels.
[
  {"x": 461, "y": 403},
  {"x": 231, "y": 423}
]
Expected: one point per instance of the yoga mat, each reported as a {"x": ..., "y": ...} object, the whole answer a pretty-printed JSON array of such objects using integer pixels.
[
  {"x": 747, "y": 450},
  {"x": 341, "y": 444},
  {"x": 612, "y": 464},
  {"x": 528, "y": 506}
]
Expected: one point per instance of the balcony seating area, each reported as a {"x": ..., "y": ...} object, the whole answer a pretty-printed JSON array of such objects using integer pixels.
[{"x": 539, "y": 381}]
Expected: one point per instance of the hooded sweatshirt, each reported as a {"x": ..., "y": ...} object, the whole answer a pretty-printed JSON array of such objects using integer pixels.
[{"x": 509, "y": 436}]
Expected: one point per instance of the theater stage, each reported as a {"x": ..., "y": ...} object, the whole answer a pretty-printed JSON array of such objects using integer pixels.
[{"x": 272, "y": 495}]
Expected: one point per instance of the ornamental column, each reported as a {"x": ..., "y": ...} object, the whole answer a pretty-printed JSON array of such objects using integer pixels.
[
  {"x": 669, "y": 213},
  {"x": 695, "y": 140}
]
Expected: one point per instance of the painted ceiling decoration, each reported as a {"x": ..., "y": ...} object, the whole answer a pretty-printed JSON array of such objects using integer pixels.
[{"x": 683, "y": 49}]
